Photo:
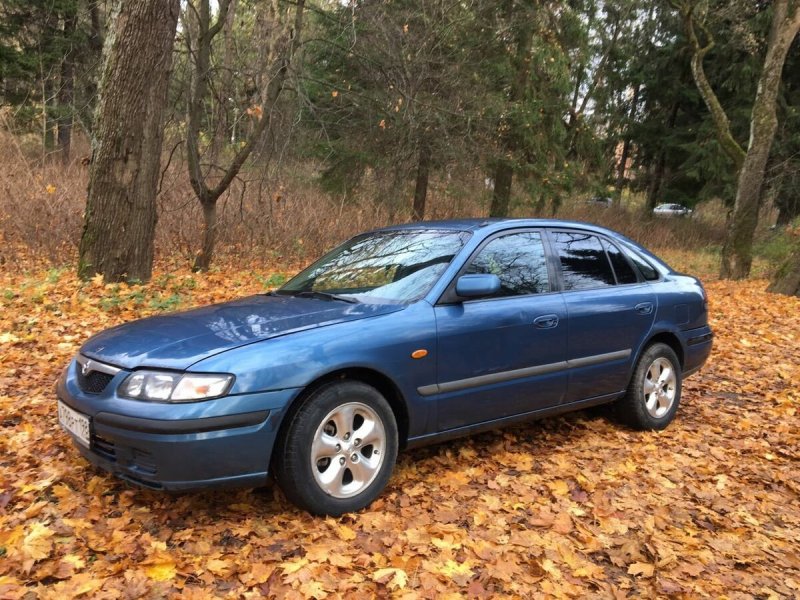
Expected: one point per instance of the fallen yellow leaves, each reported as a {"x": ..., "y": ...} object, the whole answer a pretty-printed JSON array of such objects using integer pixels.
[
  {"x": 567, "y": 507},
  {"x": 391, "y": 577},
  {"x": 161, "y": 571},
  {"x": 38, "y": 542}
]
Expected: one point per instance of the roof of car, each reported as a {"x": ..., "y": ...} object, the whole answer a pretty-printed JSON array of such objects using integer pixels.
[{"x": 492, "y": 224}]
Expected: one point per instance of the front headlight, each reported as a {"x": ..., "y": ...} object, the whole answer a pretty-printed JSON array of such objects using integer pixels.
[{"x": 163, "y": 386}]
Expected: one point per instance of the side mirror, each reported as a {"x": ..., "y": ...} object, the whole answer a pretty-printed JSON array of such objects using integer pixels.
[{"x": 478, "y": 284}]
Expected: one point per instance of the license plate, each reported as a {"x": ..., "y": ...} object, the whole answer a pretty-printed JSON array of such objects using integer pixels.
[{"x": 75, "y": 423}]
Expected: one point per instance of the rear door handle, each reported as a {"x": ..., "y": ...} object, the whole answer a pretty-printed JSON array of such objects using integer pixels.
[
  {"x": 546, "y": 321},
  {"x": 644, "y": 308}
]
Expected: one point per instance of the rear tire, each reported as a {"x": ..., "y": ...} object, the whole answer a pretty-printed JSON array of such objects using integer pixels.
[
  {"x": 654, "y": 392},
  {"x": 337, "y": 452}
]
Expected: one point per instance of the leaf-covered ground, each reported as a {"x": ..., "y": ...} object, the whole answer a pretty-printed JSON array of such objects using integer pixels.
[{"x": 572, "y": 506}]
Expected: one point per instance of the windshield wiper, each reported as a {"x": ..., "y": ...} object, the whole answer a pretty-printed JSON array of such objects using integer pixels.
[{"x": 319, "y": 295}]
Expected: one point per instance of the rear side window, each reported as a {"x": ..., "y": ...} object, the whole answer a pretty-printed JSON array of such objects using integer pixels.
[
  {"x": 647, "y": 270},
  {"x": 518, "y": 259},
  {"x": 622, "y": 268},
  {"x": 584, "y": 263}
]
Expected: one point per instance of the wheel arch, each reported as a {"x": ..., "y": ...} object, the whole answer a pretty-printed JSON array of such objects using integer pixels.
[
  {"x": 668, "y": 338},
  {"x": 371, "y": 377}
]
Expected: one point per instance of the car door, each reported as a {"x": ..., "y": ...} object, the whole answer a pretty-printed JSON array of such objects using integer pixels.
[
  {"x": 501, "y": 355},
  {"x": 610, "y": 313}
]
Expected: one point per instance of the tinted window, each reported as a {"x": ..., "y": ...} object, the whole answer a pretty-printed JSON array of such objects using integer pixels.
[
  {"x": 584, "y": 263},
  {"x": 647, "y": 270},
  {"x": 518, "y": 260},
  {"x": 622, "y": 268}
]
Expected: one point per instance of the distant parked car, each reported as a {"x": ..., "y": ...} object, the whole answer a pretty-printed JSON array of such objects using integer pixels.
[
  {"x": 601, "y": 201},
  {"x": 672, "y": 210},
  {"x": 400, "y": 337}
]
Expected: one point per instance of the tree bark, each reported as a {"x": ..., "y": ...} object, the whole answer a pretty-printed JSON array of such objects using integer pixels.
[
  {"x": 421, "y": 188},
  {"x": 501, "y": 198},
  {"x": 737, "y": 252},
  {"x": 119, "y": 224},
  {"x": 203, "y": 260}
]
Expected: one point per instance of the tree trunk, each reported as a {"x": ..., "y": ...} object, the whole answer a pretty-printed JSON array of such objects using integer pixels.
[
  {"x": 520, "y": 86},
  {"x": 421, "y": 189},
  {"x": 722, "y": 125},
  {"x": 787, "y": 278},
  {"x": 65, "y": 93},
  {"x": 737, "y": 253},
  {"x": 501, "y": 199},
  {"x": 203, "y": 260},
  {"x": 654, "y": 189},
  {"x": 96, "y": 40},
  {"x": 626, "y": 145},
  {"x": 119, "y": 225},
  {"x": 200, "y": 52},
  {"x": 225, "y": 91}
]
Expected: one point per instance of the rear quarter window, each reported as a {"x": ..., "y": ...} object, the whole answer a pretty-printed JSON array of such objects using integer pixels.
[
  {"x": 647, "y": 270},
  {"x": 622, "y": 268}
]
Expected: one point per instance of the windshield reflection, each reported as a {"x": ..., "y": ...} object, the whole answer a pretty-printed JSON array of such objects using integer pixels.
[{"x": 387, "y": 267}]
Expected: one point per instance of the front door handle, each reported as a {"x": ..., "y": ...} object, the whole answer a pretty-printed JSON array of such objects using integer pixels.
[
  {"x": 644, "y": 308},
  {"x": 546, "y": 321}
]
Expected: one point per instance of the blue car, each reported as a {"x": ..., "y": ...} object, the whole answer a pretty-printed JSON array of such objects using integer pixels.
[{"x": 400, "y": 337}]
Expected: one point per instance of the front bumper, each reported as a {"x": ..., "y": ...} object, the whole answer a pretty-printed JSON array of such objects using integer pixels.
[{"x": 224, "y": 442}]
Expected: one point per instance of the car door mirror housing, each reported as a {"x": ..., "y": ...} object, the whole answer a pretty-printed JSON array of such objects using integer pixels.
[{"x": 476, "y": 285}]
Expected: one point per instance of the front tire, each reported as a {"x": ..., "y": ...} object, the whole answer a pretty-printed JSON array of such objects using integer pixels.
[
  {"x": 338, "y": 450},
  {"x": 654, "y": 392}
]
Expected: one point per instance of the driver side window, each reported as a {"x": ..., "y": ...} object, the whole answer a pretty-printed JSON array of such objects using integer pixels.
[{"x": 518, "y": 259}]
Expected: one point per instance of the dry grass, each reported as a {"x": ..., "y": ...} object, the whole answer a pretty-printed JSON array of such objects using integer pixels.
[{"x": 276, "y": 217}]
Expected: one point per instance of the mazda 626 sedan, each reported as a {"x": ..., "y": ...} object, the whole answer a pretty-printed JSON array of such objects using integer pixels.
[{"x": 399, "y": 337}]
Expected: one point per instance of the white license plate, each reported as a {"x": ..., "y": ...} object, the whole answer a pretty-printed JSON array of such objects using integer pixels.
[{"x": 75, "y": 423}]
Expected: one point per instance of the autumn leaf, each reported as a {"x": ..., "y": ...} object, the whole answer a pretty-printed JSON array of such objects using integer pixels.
[
  {"x": 38, "y": 543},
  {"x": 313, "y": 589},
  {"x": 219, "y": 567},
  {"x": 559, "y": 487},
  {"x": 345, "y": 533},
  {"x": 255, "y": 111},
  {"x": 161, "y": 571},
  {"x": 293, "y": 566},
  {"x": 392, "y": 577},
  {"x": 643, "y": 569}
]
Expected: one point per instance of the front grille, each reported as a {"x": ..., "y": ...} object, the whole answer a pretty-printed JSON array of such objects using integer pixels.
[{"x": 93, "y": 382}]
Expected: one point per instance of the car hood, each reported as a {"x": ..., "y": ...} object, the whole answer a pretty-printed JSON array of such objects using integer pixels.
[{"x": 178, "y": 340}]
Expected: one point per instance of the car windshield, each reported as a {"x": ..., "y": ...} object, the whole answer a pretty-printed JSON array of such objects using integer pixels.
[{"x": 393, "y": 267}]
